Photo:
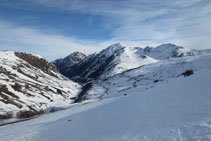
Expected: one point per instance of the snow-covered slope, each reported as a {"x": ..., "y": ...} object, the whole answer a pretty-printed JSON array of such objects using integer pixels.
[
  {"x": 130, "y": 59},
  {"x": 110, "y": 61},
  {"x": 177, "y": 110},
  {"x": 29, "y": 83},
  {"x": 167, "y": 51},
  {"x": 131, "y": 96},
  {"x": 147, "y": 76}
]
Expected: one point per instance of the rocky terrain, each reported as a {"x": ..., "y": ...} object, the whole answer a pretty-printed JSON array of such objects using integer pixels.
[{"x": 31, "y": 85}]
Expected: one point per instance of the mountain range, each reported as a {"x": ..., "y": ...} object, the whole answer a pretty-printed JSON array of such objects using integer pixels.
[
  {"x": 119, "y": 93},
  {"x": 116, "y": 59}
]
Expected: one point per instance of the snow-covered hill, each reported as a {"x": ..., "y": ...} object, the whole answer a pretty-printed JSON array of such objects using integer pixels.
[
  {"x": 176, "y": 110},
  {"x": 29, "y": 83},
  {"x": 167, "y": 51}
]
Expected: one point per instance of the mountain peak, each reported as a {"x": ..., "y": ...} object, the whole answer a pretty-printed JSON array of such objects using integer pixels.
[
  {"x": 64, "y": 64},
  {"x": 169, "y": 46},
  {"x": 116, "y": 45},
  {"x": 166, "y": 51},
  {"x": 71, "y": 59},
  {"x": 75, "y": 54},
  {"x": 112, "y": 49}
]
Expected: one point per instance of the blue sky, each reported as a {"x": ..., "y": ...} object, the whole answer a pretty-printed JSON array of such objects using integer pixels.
[{"x": 55, "y": 28}]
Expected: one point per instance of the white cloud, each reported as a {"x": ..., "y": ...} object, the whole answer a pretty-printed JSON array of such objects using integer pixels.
[
  {"x": 133, "y": 23},
  {"x": 149, "y": 20},
  {"x": 50, "y": 46}
]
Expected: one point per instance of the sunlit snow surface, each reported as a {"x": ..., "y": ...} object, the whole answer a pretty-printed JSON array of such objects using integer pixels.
[
  {"x": 132, "y": 106},
  {"x": 144, "y": 77},
  {"x": 177, "y": 110}
]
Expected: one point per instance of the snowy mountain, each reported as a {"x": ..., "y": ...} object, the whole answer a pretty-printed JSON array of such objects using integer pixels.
[
  {"x": 148, "y": 76},
  {"x": 28, "y": 83},
  {"x": 117, "y": 58},
  {"x": 167, "y": 51},
  {"x": 64, "y": 64},
  {"x": 110, "y": 61},
  {"x": 153, "y": 93}
]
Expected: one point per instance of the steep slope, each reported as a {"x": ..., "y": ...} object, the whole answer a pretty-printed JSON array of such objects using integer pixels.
[
  {"x": 65, "y": 64},
  {"x": 167, "y": 51},
  {"x": 29, "y": 83},
  {"x": 110, "y": 61},
  {"x": 178, "y": 110},
  {"x": 148, "y": 76},
  {"x": 130, "y": 59}
]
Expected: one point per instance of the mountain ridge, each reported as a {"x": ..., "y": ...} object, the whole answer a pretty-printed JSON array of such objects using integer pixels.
[{"x": 118, "y": 58}]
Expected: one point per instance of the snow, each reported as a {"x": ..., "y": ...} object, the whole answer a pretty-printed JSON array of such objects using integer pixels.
[
  {"x": 147, "y": 99},
  {"x": 129, "y": 60},
  {"x": 33, "y": 91},
  {"x": 178, "y": 110},
  {"x": 38, "y": 56},
  {"x": 147, "y": 76},
  {"x": 112, "y": 49},
  {"x": 166, "y": 51},
  {"x": 8, "y": 55}
]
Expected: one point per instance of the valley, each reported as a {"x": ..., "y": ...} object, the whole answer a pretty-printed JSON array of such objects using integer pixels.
[{"x": 120, "y": 93}]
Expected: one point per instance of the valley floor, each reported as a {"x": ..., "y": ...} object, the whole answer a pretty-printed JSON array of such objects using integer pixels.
[{"x": 177, "y": 110}]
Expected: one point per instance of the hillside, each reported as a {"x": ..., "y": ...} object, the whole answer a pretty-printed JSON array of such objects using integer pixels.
[
  {"x": 31, "y": 85},
  {"x": 176, "y": 110},
  {"x": 148, "y": 76}
]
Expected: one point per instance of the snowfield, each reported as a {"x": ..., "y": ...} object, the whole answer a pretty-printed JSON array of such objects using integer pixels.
[
  {"x": 178, "y": 110},
  {"x": 129, "y": 60}
]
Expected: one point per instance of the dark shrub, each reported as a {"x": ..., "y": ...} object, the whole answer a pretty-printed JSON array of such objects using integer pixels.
[
  {"x": 25, "y": 114},
  {"x": 187, "y": 73},
  {"x": 155, "y": 81},
  {"x": 28, "y": 114},
  {"x": 54, "y": 109},
  {"x": 7, "y": 115}
]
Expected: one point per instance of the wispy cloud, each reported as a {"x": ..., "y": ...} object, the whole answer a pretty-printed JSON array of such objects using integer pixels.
[
  {"x": 132, "y": 22},
  {"x": 49, "y": 45},
  {"x": 149, "y": 20}
]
